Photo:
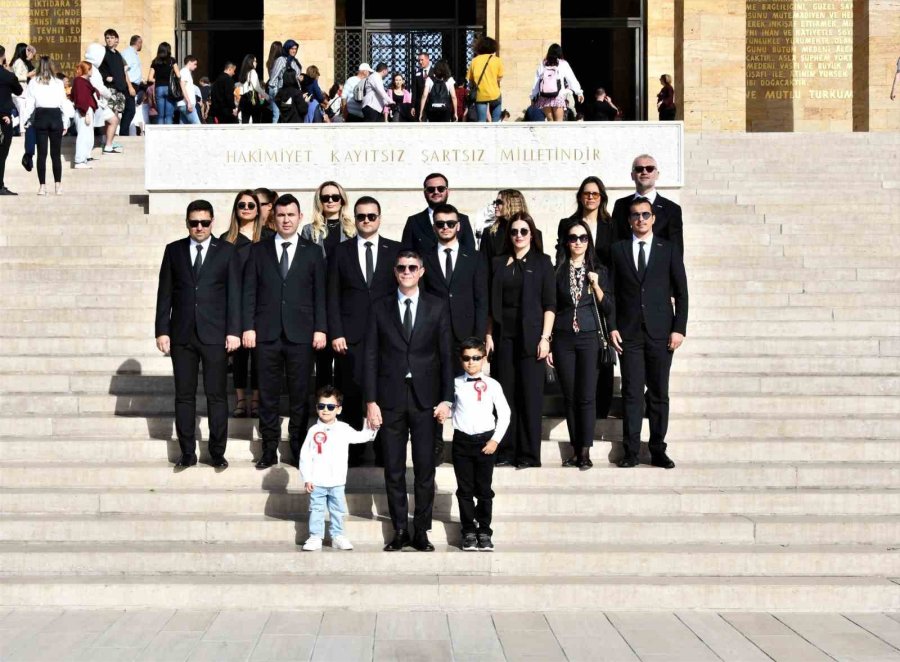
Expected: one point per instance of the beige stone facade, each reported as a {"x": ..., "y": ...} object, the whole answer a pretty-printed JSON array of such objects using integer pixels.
[{"x": 742, "y": 65}]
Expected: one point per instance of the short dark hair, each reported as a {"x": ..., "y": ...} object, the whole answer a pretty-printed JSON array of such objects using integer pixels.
[
  {"x": 134, "y": 39},
  {"x": 367, "y": 200},
  {"x": 437, "y": 174},
  {"x": 444, "y": 208},
  {"x": 190, "y": 58},
  {"x": 329, "y": 391},
  {"x": 199, "y": 205},
  {"x": 229, "y": 64},
  {"x": 472, "y": 343},
  {"x": 408, "y": 255},
  {"x": 381, "y": 66},
  {"x": 485, "y": 45},
  {"x": 285, "y": 200},
  {"x": 110, "y": 33},
  {"x": 640, "y": 201}
]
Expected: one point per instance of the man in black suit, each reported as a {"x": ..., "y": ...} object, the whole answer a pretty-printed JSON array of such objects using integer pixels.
[
  {"x": 359, "y": 272},
  {"x": 408, "y": 384},
  {"x": 418, "y": 234},
  {"x": 284, "y": 318},
  {"x": 669, "y": 224},
  {"x": 423, "y": 73},
  {"x": 645, "y": 272},
  {"x": 9, "y": 87},
  {"x": 198, "y": 319}
]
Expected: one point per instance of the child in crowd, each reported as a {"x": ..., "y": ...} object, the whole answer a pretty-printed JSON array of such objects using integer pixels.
[
  {"x": 323, "y": 468},
  {"x": 476, "y": 435}
]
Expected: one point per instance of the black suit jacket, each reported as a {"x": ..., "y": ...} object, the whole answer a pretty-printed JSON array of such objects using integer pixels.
[
  {"x": 538, "y": 296},
  {"x": 427, "y": 356},
  {"x": 648, "y": 300},
  {"x": 294, "y": 306},
  {"x": 587, "y": 315},
  {"x": 349, "y": 300},
  {"x": 668, "y": 224},
  {"x": 419, "y": 236},
  {"x": 9, "y": 86},
  {"x": 211, "y": 304},
  {"x": 418, "y": 86},
  {"x": 466, "y": 295}
]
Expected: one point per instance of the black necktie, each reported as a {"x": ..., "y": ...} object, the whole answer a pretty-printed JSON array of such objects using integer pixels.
[
  {"x": 473, "y": 379},
  {"x": 642, "y": 260},
  {"x": 284, "y": 260},
  {"x": 448, "y": 264},
  {"x": 198, "y": 262},
  {"x": 370, "y": 264},
  {"x": 407, "y": 319}
]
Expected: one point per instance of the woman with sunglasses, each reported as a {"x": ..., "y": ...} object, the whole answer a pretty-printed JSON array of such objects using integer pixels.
[
  {"x": 523, "y": 307},
  {"x": 580, "y": 286},
  {"x": 267, "y": 198},
  {"x": 331, "y": 225},
  {"x": 245, "y": 229}
]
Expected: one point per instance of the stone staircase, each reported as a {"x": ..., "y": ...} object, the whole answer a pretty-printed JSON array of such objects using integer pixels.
[{"x": 785, "y": 423}]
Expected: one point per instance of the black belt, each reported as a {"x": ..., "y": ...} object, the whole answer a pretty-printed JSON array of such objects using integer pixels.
[{"x": 481, "y": 436}]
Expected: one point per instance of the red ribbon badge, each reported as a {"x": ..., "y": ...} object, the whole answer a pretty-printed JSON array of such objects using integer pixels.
[
  {"x": 480, "y": 387},
  {"x": 319, "y": 438}
]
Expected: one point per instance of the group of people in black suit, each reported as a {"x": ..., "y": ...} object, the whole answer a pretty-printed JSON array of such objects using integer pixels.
[{"x": 395, "y": 313}]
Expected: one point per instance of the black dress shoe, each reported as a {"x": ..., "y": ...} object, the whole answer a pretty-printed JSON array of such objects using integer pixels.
[
  {"x": 585, "y": 463},
  {"x": 626, "y": 462},
  {"x": 220, "y": 463},
  {"x": 572, "y": 462},
  {"x": 6, "y": 191},
  {"x": 527, "y": 465},
  {"x": 421, "y": 543},
  {"x": 401, "y": 540},
  {"x": 266, "y": 461},
  {"x": 186, "y": 461},
  {"x": 662, "y": 461},
  {"x": 503, "y": 463},
  {"x": 27, "y": 162}
]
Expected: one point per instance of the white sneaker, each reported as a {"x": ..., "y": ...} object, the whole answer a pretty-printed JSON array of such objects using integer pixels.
[
  {"x": 83, "y": 166},
  {"x": 341, "y": 542},
  {"x": 314, "y": 544}
]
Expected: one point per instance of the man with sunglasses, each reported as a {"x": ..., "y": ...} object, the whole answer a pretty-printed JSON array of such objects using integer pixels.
[
  {"x": 198, "y": 320},
  {"x": 419, "y": 234},
  {"x": 668, "y": 224},
  {"x": 284, "y": 318},
  {"x": 646, "y": 329},
  {"x": 360, "y": 271},
  {"x": 408, "y": 386}
]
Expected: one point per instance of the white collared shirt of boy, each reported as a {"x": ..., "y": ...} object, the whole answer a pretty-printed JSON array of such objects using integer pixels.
[
  {"x": 474, "y": 404},
  {"x": 323, "y": 459}
]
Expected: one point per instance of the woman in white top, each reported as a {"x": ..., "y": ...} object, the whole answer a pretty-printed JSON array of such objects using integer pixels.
[
  {"x": 253, "y": 96},
  {"x": 554, "y": 75},
  {"x": 46, "y": 97}
]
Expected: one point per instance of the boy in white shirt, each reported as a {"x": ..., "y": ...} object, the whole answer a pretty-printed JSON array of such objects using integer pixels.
[
  {"x": 323, "y": 468},
  {"x": 476, "y": 435}
]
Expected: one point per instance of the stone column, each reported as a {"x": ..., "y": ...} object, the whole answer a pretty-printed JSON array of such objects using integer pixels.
[
  {"x": 311, "y": 24},
  {"x": 883, "y": 51}
]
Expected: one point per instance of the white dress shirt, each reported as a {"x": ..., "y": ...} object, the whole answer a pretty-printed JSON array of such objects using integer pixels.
[
  {"x": 203, "y": 253},
  {"x": 323, "y": 459},
  {"x": 474, "y": 416},
  {"x": 650, "y": 195},
  {"x": 442, "y": 256},
  {"x": 636, "y": 248},
  {"x": 133, "y": 60},
  {"x": 294, "y": 239},
  {"x": 361, "y": 251}
]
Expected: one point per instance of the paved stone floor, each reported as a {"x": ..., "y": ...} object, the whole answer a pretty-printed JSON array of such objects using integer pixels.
[{"x": 345, "y": 636}]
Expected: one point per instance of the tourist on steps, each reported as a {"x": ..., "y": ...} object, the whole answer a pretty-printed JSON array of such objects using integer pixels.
[
  {"x": 52, "y": 111},
  {"x": 9, "y": 90}
]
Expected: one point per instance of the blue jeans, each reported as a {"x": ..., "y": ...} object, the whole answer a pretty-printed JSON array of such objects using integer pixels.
[
  {"x": 337, "y": 508},
  {"x": 496, "y": 107},
  {"x": 164, "y": 107},
  {"x": 276, "y": 111},
  {"x": 189, "y": 117}
]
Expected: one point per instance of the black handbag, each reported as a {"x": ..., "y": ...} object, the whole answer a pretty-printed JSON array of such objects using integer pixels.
[
  {"x": 175, "y": 94},
  {"x": 473, "y": 91},
  {"x": 607, "y": 355}
]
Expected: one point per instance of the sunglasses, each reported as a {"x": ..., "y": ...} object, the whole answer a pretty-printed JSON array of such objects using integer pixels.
[
  {"x": 471, "y": 357},
  {"x": 440, "y": 225},
  {"x": 520, "y": 232},
  {"x": 435, "y": 189},
  {"x": 645, "y": 215},
  {"x": 498, "y": 202},
  {"x": 197, "y": 224},
  {"x": 649, "y": 168},
  {"x": 577, "y": 239},
  {"x": 331, "y": 198},
  {"x": 590, "y": 194},
  {"x": 363, "y": 218},
  {"x": 246, "y": 205},
  {"x": 322, "y": 406},
  {"x": 411, "y": 268}
]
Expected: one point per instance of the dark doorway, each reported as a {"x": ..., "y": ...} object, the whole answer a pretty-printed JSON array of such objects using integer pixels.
[{"x": 217, "y": 32}]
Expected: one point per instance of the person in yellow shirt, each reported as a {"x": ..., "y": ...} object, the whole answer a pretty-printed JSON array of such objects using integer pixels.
[{"x": 484, "y": 76}]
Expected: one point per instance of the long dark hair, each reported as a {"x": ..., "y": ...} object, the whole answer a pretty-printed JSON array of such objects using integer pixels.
[
  {"x": 163, "y": 56},
  {"x": 234, "y": 229},
  {"x": 274, "y": 54},
  {"x": 246, "y": 67},
  {"x": 602, "y": 213},
  {"x": 536, "y": 242},
  {"x": 565, "y": 254},
  {"x": 554, "y": 55},
  {"x": 20, "y": 54}
]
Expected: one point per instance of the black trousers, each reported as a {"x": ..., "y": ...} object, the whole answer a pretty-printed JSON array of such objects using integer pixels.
[
  {"x": 245, "y": 369},
  {"x": 645, "y": 362},
  {"x": 605, "y": 379},
  {"x": 293, "y": 359},
  {"x": 575, "y": 358},
  {"x": 474, "y": 473},
  {"x": 522, "y": 379},
  {"x": 186, "y": 360},
  {"x": 325, "y": 373},
  {"x": 127, "y": 115},
  {"x": 415, "y": 423},
  {"x": 7, "y": 132},
  {"x": 250, "y": 110},
  {"x": 48, "y": 126},
  {"x": 372, "y": 115}
]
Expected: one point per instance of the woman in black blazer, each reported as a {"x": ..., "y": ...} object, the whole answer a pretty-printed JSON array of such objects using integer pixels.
[
  {"x": 523, "y": 304},
  {"x": 509, "y": 202},
  {"x": 592, "y": 200},
  {"x": 580, "y": 299}
]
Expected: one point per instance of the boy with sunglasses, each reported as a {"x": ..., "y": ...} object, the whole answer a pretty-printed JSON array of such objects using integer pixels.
[
  {"x": 323, "y": 468},
  {"x": 477, "y": 400}
]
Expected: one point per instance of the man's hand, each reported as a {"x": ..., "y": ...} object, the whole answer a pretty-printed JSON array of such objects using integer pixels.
[
  {"x": 675, "y": 340},
  {"x": 249, "y": 339},
  {"x": 190, "y": 108},
  {"x": 373, "y": 415},
  {"x": 339, "y": 345},
  {"x": 163, "y": 344},
  {"x": 490, "y": 447},
  {"x": 319, "y": 340},
  {"x": 616, "y": 339},
  {"x": 309, "y": 487},
  {"x": 232, "y": 343},
  {"x": 442, "y": 412}
]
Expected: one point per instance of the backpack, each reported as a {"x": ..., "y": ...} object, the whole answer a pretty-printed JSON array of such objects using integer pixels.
[
  {"x": 551, "y": 85},
  {"x": 439, "y": 96},
  {"x": 359, "y": 92}
]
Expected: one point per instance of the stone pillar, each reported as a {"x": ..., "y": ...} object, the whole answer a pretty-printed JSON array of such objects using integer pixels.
[
  {"x": 883, "y": 51},
  {"x": 310, "y": 23}
]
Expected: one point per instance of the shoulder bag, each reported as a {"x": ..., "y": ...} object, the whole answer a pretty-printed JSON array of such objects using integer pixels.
[
  {"x": 607, "y": 354},
  {"x": 473, "y": 92}
]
